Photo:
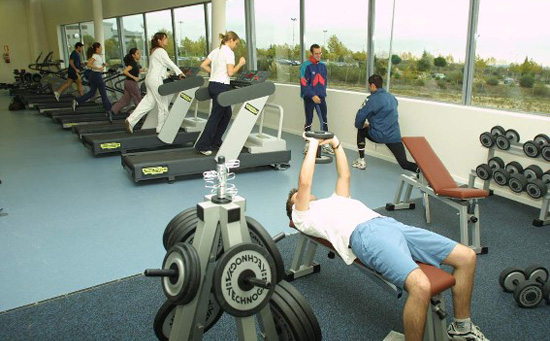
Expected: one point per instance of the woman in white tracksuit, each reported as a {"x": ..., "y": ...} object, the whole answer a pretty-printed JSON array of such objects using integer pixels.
[{"x": 158, "y": 63}]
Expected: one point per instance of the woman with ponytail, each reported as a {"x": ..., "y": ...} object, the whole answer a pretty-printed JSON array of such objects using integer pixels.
[
  {"x": 220, "y": 63},
  {"x": 159, "y": 61},
  {"x": 131, "y": 87},
  {"x": 97, "y": 67}
]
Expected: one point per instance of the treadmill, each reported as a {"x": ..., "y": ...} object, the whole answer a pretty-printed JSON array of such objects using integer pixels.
[
  {"x": 147, "y": 138},
  {"x": 252, "y": 91}
]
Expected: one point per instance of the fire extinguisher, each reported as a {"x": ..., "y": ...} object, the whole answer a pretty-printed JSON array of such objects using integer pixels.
[{"x": 6, "y": 54}]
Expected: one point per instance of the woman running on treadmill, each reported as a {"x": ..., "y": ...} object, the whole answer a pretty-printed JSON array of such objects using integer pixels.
[
  {"x": 131, "y": 86},
  {"x": 159, "y": 61},
  {"x": 220, "y": 63},
  {"x": 95, "y": 78}
]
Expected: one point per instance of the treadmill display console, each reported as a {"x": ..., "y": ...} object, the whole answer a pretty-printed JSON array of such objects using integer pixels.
[{"x": 247, "y": 77}]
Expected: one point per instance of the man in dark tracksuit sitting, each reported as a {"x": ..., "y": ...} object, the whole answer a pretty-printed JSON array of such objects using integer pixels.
[
  {"x": 380, "y": 110},
  {"x": 313, "y": 89}
]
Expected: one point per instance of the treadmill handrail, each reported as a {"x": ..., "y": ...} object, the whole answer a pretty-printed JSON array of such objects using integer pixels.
[
  {"x": 180, "y": 85},
  {"x": 245, "y": 94}
]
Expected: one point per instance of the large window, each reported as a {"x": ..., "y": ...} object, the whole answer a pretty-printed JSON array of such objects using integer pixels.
[
  {"x": 190, "y": 35},
  {"x": 161, "y": 21},
  {"x": 428, "y": 49},
  {"x": 88, "y": 35},
  {"x": 278, "y": 39},
  {"x": 512, "y": 68},
  {"x": 235, "y": 22},
  {"x": 72, "y": 36},
  {"x": 112, "y": 43},
  {"x": 343, "y": 38},
  {"x": 133, "y": 35}
]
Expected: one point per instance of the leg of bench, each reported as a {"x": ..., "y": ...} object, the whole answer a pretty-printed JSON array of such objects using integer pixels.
[
  {"x": 436, "y": 320},
  {"x": 464, "y": 233},
  {"x": 402, "y": 203},
  {"x": 426, "y": 202},
  {"x": 302, "y": 262}
]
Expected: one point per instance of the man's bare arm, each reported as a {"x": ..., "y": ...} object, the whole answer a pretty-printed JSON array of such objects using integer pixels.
[{"x": 306, "y": 176}]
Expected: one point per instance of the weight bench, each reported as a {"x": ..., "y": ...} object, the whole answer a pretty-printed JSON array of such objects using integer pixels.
[
  {"x": 434, "y": 180},
  {"x": 436, "y": 319}
]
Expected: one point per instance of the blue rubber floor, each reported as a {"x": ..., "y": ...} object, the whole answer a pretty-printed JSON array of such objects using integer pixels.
[{"x": 76, "y": 221}]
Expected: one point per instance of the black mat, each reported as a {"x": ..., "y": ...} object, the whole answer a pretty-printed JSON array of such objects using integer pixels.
[{"x": 348, "y": 304}]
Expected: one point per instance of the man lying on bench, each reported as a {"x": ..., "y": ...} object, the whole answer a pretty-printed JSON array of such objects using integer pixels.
[{"x": 385, "y": 245}]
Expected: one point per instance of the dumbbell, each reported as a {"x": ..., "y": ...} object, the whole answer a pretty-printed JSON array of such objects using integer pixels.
[
  {"x": 488, "y": 139},
  {"x": 485, "y": 170},
  {"x": 504, "y": 141},
  {"x": 502, "y": 176},
  {"x": 537, "y": 188},
  {"x": 529, "y": 286},
  {"x": 321, "y": 135},
  {"x": 534, "y": 148}
]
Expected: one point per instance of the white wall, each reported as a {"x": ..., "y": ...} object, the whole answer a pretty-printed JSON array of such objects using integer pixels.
[
  {"x": 14, "y": 33},
  {"x": 452, "y": 130}
]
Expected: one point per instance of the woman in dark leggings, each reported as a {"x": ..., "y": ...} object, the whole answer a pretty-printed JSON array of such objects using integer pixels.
[{"x": 97, "y": 67}]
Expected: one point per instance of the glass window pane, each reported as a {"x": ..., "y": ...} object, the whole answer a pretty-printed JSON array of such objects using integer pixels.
[
  {"x": 512, "y": 69},
  {"x": 72, "y": 36},
  {"x": 88, "y": 35},
  {"x": 190, "y": 35},
  {"x": 133, "y": 35},
  {"x": 428, "y": 50},
  {"x": 236, "y": 23},
  {"x": 161, "y": 22},
  {"x": 278, "y": 39},
  {"x": 343, "y": 38},
  {"x": 112, "y": 44}
]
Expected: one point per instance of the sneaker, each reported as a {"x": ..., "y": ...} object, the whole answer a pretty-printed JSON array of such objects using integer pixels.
[
  {"x": 75, "y": 104},
  {"x": 205, "y": 152},
  {"x": 359, "y": 164},
  {"x": 56, "y": 94},
  {"x": 327, "y": 149},
  {"x": 474, "y": 334},
  {"x": 110, "y": 115},
  {"x": 129, "y": 127}
]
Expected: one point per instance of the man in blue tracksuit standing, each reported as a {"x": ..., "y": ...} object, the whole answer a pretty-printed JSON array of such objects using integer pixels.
[
  {"x": 313, "y": 89},
  {"x": 380, "y": 109}
]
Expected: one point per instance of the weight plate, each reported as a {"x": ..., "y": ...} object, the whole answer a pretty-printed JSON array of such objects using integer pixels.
[
  {"x": 545, "y": 152},
  {"x": 542, "y": 140},
  {"x": 501, "y": 177},
  {"x": 182, "y": 288},
  {"x": 287, "y": 324},
  {"x": 174, "y": 222},
  {"x": 503, "y": 142},
  {"x": 311, "y": 322},
  {"x": 536, "y": 188},
  {"x": 512, "y": 135},
  {"x": 510, "y": 277},
  {"x": 533, "y": 172},
  {"x": 487, "y": 140},
  {"x": 321, "y": 135},
  {"x": 298, "y": 312},
  {"x": 534, "y": 272},
  {"x": 546, "y": 177},
  {"x": 514, "y": 167},
  {"x": 164, "y": 320},
  {"x": 517, "y": 183},
  {"x": 234, "y": 294},
  {"x": 531, "y": 149},
  {"x": 498, "y": 130},
  {"x": 528, "y": 294},
  {"x": 484, "y": 172},
  {"x": 496, "y": 163},
  {"x": 260, "y": 236}
]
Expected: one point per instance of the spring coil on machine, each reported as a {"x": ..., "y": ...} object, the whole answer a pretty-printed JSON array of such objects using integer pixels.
[{"x": 217, "y": 180}]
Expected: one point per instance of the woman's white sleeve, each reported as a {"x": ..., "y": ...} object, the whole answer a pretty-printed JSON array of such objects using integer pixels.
[{"x": 169, "y": 63}]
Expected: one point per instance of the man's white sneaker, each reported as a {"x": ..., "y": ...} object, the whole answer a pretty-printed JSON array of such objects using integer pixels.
[
  {"x": 359, "y": 164},
  {"x": 327, "y": 149},
  {"x": 56, "y": 94},
  {"x": 474, "y": 334},
  {"x": 205, "y": 152}
]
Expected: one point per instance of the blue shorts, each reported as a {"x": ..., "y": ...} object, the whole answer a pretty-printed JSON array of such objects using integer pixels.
[{"x": 391, "y": 248}]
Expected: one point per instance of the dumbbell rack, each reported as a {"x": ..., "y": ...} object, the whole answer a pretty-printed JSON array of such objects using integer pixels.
[{"x": 516, "y": 149}]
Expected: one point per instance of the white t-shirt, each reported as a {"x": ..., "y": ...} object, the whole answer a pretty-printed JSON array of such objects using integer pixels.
[
  {"x": 98, "y": 63},
  {"x": 334, "y": 219},
  {"x": 221, "y": 57}
]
